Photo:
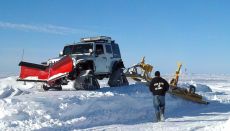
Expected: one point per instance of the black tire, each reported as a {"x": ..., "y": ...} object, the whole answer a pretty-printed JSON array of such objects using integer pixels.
[
  {"x": 117, "y": 78},
  {"x": 86, "y": 81},
  {"x": 192, "y": 89},
  {"x": 124, "y": 79},
  {"x": 45, "y": 88},
  {"x": 58, "y": 88}
]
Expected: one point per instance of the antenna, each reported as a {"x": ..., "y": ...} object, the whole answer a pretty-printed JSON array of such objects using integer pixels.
[{"x": 22, "y": 54}]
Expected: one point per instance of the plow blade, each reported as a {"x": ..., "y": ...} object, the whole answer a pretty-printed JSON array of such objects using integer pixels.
[
  {"x": 184, "y": 94},
  {"x": 41, "y": 73}
]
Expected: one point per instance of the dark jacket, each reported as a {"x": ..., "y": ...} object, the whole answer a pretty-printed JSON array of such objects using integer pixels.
[{"x": 159, "y": 86}]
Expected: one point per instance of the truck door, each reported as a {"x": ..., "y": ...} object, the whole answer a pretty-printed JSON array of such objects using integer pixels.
[
  {"x": 100, "y": 59},
  {"x": 109, "y": 56}
]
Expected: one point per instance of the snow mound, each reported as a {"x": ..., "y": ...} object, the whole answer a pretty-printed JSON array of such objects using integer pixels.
[
  {"x": 12, "y": 82},
  {"x": 199, "y": 87},
  {"x": 24, "y": 107},
  {"x": 221, "y": 126},
  {"x": 226, "y": 126},
  {"x": 9, "y": 92},
  {"x": 10, "y": 87},
  {"x": 61, "y": 110},
  {"x": 202, "y": 88}
]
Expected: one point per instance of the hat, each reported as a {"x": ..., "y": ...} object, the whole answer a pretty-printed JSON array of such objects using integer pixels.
[{"x": 157, "y": 73}]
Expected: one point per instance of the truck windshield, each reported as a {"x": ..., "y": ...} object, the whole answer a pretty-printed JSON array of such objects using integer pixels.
[{"x": 77, "y": 49}]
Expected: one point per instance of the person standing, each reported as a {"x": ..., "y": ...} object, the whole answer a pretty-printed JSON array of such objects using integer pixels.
[{"x": 159, "y": 87}]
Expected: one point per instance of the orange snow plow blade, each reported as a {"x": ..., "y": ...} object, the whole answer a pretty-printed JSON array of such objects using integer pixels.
[{"x": 41, "y": 73}]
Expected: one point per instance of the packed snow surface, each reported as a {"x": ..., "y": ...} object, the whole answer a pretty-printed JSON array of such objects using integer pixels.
[{"x": 25, "y": 106}]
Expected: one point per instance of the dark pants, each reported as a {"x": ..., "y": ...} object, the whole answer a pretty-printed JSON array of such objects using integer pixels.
[{"x": 159, "y": 105}]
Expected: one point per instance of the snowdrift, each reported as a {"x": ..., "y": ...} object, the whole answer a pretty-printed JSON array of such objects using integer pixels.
[
  {"x": 199, "y": 87},
  {"x": 26, "y": 107}
]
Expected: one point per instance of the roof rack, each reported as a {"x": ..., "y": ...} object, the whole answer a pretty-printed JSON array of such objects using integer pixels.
[{"x": 98, "y": 38}]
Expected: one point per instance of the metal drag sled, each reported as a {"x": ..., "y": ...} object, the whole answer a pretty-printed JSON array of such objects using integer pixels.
[
  {"x": 141, "y": 73},
  {"x": 188, "y": 94}
]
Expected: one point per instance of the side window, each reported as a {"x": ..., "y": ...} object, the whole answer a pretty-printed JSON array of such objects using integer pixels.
[
  {"x": 99, "y": 49},
  {"x": 116, "y": 51},
  {"x": 108, "y": 49}
]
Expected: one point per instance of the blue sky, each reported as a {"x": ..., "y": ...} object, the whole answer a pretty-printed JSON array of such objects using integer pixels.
[{"x": 194, "y": 32}]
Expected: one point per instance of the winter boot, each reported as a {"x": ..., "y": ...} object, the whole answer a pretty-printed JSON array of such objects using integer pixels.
[
  {"x": 162, "y": 110},
  {"x": 158, "y": 117},
  {"x": 162, "y": 118}
]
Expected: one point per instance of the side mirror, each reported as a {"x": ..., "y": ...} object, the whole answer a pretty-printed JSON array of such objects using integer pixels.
[
  {"x": 60, "y": 53},
  {"x": 90, "y": 51}
]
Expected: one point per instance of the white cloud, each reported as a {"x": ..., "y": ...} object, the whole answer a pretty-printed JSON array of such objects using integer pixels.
[{"x": 42, "y": 28}]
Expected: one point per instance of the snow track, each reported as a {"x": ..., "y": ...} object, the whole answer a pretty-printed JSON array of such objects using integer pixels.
[
  {"x": 24, "y": 107},
  {"x": 8, "y": 88}
]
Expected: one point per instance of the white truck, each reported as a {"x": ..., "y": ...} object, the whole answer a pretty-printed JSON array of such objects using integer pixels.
[{"x": 93, "y": 58}]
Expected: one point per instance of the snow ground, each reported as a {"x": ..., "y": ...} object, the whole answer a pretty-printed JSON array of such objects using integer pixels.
[{"x": 28, "y": 107}]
